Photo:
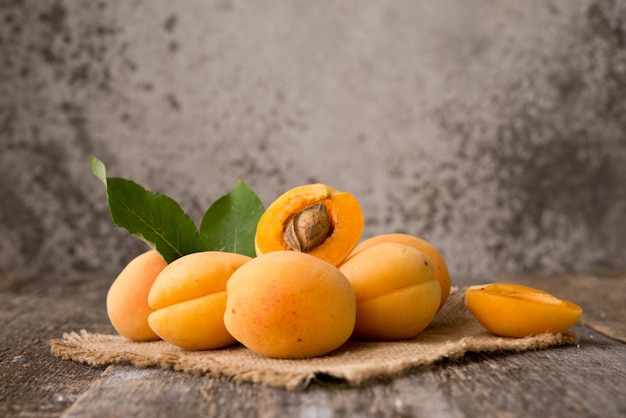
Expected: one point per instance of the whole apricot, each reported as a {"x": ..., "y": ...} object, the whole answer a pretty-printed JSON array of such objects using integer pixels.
[
  {"x": 287, "y": 304},
  {"x": 511, "y": 310},
  {"x": 441, "y": 269},
  {"x": 314, "y": 219},
  {"x": 127, "y": 298},
  {"x": 189, "y": 300},
  {"x": 396, "y": 292}
]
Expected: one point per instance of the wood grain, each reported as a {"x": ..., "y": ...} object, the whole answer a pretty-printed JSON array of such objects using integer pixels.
[{"x": 587, "y": 380}]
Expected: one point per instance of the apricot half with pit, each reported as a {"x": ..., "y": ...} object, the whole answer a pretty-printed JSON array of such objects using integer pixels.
[
  {"x": 314, "y": 219},
  {"x": 189, "y": 300},
  {"x": 511, "y": 310},
  {"x": 287, "y": 304},
  {"x": 396, "y": 292},
  {"x": 441, "y": 269}
]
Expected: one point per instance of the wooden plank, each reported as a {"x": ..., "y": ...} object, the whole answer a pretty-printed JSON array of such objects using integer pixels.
[
  {"x": 588, "y": 380},
  {"x": 585, "y": 381},
  {"x": 34, "y": 383}
]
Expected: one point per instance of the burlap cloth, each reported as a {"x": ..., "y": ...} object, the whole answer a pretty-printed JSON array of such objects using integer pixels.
[{"x": 452, "y": 333}]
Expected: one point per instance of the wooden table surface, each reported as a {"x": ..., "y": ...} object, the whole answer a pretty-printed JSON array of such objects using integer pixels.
[{"x": 585, "y": 380}]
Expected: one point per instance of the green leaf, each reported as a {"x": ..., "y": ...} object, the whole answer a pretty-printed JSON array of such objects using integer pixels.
[
  {"x": 230, "y": 223},
  {"x": 153, "y": 217},
  {"x": 98, "y": 169}
]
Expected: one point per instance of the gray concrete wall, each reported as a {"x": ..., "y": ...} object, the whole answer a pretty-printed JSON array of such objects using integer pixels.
[{"x": 494, "y": 129}]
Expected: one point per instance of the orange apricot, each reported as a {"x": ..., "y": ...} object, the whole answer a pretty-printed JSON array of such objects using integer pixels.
[
  {"x": 314, "y": 219},
  {"x": 189, "y": 300},
  {"x": 288, "y": 304},
  {"x": 396, "y": 292},
  {"x": 441, "y": 269},
  {"x": 127, "y": 298},
  {"x": 511, "y": 310}
]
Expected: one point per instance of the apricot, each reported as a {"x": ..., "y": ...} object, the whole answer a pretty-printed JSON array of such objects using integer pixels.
[
  {"x": 511, "y": 310},
  {"x": 314, "y": 219},
  {"x": 441, "y": 269},
  {"x": 396, "y": 292},
  {"x": 189, "y": 300},
  {"x": 127, "y": 298},
  {"x": 287, "y": 304}
]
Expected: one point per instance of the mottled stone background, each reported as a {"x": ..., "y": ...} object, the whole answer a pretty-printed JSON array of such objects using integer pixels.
[{"x": 496, "y": 129}]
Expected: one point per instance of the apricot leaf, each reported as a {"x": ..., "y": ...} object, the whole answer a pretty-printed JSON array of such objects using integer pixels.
[
  {"x": 153, "y": 217},
  {"x": 230, "y": 223}
]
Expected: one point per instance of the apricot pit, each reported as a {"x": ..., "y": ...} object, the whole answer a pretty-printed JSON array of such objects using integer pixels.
[{"x": 308, "y": 228}]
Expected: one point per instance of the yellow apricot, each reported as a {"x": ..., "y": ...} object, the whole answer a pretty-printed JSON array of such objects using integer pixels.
[
  {"x": 127, "y": 298},
  {"x": 315, "y": 219},
  {"x": 441, "y": 269},
  {"x": 396, "y": 292},
  {"x": 287, "y": 304},
  {"x": 189, "y": 299},
  {"x": 511, "y": 310}
]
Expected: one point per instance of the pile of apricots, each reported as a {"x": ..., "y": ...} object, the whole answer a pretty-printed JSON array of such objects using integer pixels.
[{"x": 312, "y": 286}]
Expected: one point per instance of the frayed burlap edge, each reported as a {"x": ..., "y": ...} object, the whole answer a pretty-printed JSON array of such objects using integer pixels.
[{"x": 452, "y": 334}]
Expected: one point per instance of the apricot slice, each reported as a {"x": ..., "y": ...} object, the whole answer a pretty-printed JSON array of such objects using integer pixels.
[
  {"x": 287, "y": 304},
  {"x": 314, "y": 219},
  {"x": 511, "y": 310},
  {"x": 441, "y": 269},
  {"x": 189, "y": 300},
  {"x": 127, "y": 298},
  {"x": 396, "y": 292}
]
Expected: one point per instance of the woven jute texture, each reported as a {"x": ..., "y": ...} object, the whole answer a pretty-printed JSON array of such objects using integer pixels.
[{"x": 452, "y": 333}]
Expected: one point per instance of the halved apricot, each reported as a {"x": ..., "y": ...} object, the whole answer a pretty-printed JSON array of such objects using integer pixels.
[
  {"x": 511, "y": 310},
  {"x": 441, "y": 269},
  {"x": 314, "y": 219}
]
